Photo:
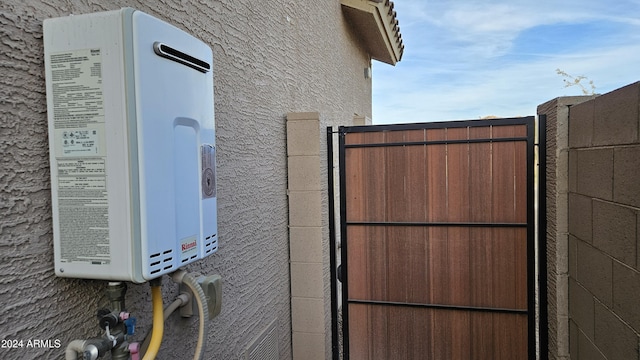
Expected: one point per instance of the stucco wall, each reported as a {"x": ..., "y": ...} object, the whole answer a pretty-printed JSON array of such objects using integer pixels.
[{"x": 270, "y": 58}]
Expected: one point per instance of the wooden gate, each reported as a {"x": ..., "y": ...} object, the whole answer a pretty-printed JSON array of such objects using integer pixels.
[{"x": 437, "y": 228}]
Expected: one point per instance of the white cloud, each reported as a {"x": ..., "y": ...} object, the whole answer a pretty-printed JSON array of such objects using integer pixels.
[
  {"x": 488, "y": 28},
  {"x": 513, "y": 90},
  {"x": 454, "y": 65}
]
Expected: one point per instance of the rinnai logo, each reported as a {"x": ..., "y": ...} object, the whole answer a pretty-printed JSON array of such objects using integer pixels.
[{"x": 189, "y": 246}]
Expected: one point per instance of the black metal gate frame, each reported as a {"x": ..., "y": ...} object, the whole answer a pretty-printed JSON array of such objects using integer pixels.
[{"x": 537, "y": 340}]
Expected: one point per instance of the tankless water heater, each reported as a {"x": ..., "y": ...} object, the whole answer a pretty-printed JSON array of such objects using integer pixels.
[{"x": 132, "y": 146}]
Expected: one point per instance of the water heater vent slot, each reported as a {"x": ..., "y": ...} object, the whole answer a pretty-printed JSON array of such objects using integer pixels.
[
  {"x": 178, "y": 56},
  {"x": 211, "y": 243},
  {"x": 161, "y": 261}
]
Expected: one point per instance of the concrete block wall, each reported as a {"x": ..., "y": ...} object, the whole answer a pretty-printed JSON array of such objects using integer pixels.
[
  {"x": 603, "y": 222},
  {"x": 557, "y": 134},
  {"x": 311, "y": 331}
]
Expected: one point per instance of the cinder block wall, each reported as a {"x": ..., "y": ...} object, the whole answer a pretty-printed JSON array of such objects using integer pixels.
[
  {"x": 557, "y": 249},
  {"x": 604, "y": 208}
]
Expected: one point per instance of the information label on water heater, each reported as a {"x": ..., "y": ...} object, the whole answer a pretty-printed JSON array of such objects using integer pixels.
[
  {"x": 78, "y": 112},
  {"x": 77, "y": 88}
]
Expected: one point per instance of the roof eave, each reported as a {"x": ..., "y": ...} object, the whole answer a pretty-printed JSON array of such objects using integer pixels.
[{"x": 376, "y": 24}]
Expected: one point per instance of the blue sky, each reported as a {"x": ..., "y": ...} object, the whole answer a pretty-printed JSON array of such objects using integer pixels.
[{"x": 467, "y": 59}]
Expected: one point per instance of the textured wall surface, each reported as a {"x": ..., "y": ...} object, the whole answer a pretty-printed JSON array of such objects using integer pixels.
[
  {"x": 604, "y": 215},
  {"x": 270, "y": 58},
  {"x": 557, "y": 136}
]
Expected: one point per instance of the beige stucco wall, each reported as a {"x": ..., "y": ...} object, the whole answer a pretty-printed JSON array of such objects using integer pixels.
[{"x": 270, "y": 58}]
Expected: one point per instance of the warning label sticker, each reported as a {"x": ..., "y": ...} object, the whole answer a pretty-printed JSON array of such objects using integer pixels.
[
  {"x": 81, "y": 167},
  {"x": 80, "y": 151}
]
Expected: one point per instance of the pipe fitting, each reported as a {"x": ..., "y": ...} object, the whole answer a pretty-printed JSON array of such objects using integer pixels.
[
  {"x": 74, "y": 348},
  {"x": 97, "y": 347},
  {"x": 116, "y": 292},
  {"x": 90, "y": 352},
  {"x": 178, "y": 275}
]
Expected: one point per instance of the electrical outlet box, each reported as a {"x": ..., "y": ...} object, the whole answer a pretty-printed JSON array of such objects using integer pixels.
[
  {"x": 131, "y": 144},
  {"x": 212, "y": 288}
]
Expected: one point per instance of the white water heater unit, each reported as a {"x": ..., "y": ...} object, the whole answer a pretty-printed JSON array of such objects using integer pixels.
[{"x": 132, "y": 146}]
